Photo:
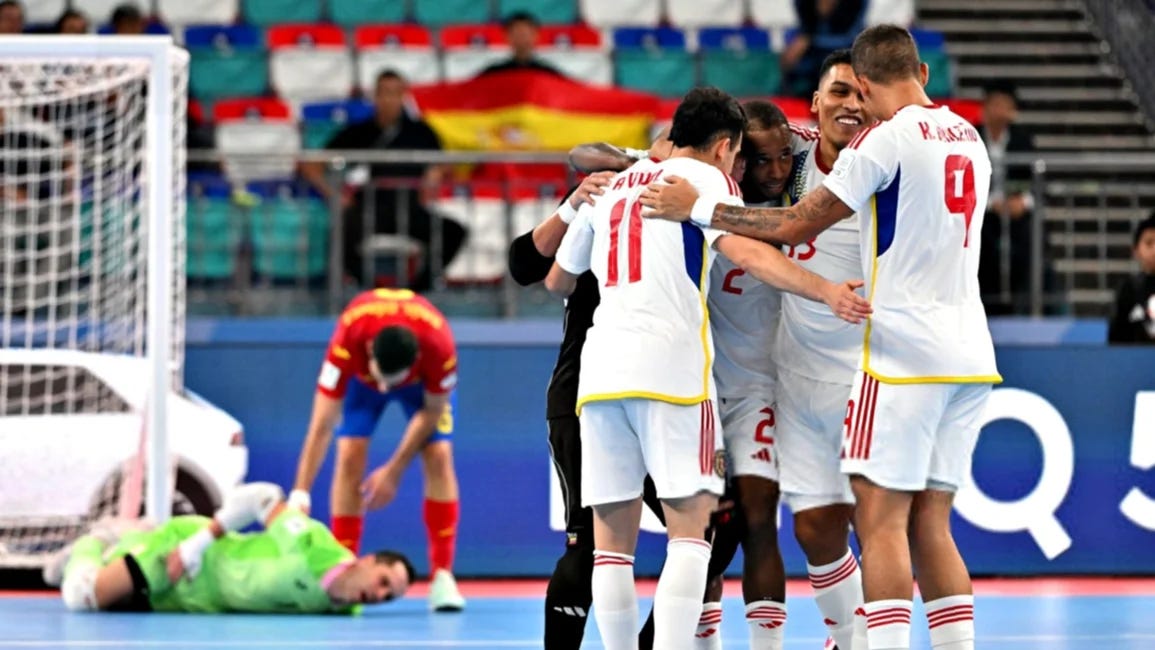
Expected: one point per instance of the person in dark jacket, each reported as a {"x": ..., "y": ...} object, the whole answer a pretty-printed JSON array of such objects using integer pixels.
[{"x": 1133, "y": 320}]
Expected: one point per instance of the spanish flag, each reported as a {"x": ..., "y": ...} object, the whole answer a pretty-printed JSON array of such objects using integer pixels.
[{"x": 534, "y": 110}]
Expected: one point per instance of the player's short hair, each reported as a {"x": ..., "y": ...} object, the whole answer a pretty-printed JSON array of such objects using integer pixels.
[
  {"x": 388, "y": 73},
  {"x": 521, "y": 16},
  {"x": 394, "y": 349},
  {"x": 885, "y": 54},
  {"x": 761, "y": 114},
  {"x": 706, "y": 115},
  {"x": 837, "y": 57},
  {"x": 1144, "y": 226},
  {"x": 389, "y": 557}
]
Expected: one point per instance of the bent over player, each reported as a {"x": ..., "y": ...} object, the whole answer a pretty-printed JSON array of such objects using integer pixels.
[
  {"x": 390, "y": 345},
  {"x": 198, "y": 564}
]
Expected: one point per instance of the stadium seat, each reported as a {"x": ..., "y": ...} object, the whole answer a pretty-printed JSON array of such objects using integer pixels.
[
  {"x": 290, "y": 234},
  {"x": 214, "y": 235},
  {"x": 893, "y": 12},
  {"x": 561, "y": 12},
  {"x": 578, "y": 52},
  {"x": 408, "y": 49},
  {"x": 320, "y": 122},
  {"x": 310, "y": 62},
  {"x": 941, "y": 80},
  {"x": 226, "y": 62},
  {"x": 350, "y": 13},
  {"x": 742, "y": 73},
  {"x": 262, "y": 126},
  {"x": 450, "y": 12},
  {"x": 774, "y": 14},
  {"x": 272, "y": 12},
  {"x": 37, "y": 12},
  {"x": 649, "y": 38},
  {"x": 734, "y": 39},
  {"x": 617, "y": 13},
  {"x": 701, "y": 13},
  {"x": 198, "y": 12},
  {"x": 663, "y": 72},
  {"x": 928, "y": 40},
  {"x": 469, "y": 49}
]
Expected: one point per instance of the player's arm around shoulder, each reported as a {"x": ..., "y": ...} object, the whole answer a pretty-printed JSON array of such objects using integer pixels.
[{"x": 573, "y": 255}]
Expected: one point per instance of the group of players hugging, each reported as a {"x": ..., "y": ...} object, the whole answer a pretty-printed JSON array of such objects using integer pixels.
[{"x": 835, "y": 356}]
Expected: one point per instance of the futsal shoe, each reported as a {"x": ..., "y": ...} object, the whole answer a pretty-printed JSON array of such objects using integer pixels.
[{"x": 443, "y": 593}]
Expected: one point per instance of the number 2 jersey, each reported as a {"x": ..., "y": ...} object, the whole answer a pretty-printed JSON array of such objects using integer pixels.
[
  {"x": 651, "y": 335},
  {"x": 924, "y": 177}
]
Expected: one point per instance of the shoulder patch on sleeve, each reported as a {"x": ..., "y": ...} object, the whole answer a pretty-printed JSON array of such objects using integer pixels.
[{"x": 330, "y": 376}]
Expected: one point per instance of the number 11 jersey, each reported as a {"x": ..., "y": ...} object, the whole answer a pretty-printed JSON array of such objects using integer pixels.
[
  {"x": 923, "y": 176},
  {"x": 651, "y": 331}
]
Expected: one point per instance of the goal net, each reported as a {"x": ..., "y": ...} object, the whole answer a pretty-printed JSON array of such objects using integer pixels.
[{"x": 81, "y": 280}]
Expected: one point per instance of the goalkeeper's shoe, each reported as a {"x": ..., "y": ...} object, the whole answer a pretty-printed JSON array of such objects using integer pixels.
[{"x": 443, "y": 593}]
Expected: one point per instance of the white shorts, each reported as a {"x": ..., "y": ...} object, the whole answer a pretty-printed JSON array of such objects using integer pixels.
[
  {"x": 912, "y": 437},
  {"x": 748, "y": 428},
  {"x": 811, "y": 417},
  {"x": 680, "y": 447}
]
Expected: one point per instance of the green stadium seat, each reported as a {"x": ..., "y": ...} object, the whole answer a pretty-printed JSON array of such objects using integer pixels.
[
  {"x": 549, "y": 12},
  {"x": 290, "y": 238},
  {"x": 350, "y": 13},
  {"x": 228, "y": 73},
  {"x": 742, "y": 73},
  {"x": 669, "y": 73},
  {"x": 941, "y": 80},
  {"x": 433, "y": 13},
  {"x": 213, "y": 238},
  {"x": 272, "y": 12}
]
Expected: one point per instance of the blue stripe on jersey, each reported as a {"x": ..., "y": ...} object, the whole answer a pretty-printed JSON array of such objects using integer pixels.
[
  {"x": 886, "y": 213},
  {"x": 692, "y": 241}
]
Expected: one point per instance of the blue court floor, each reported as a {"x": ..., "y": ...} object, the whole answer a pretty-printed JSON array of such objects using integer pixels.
[{"x": 1057, "y": 618}]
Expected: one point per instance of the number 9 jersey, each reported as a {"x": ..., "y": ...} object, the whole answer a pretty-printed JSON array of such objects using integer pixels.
[
  {"x": 921, "y": 179},
  {"x": 651, "y": 333}
]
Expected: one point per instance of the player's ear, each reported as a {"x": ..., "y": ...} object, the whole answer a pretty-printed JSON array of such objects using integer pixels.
[
  {"x": 814, "y": 103},
  {"x": 923, "y": 73}
]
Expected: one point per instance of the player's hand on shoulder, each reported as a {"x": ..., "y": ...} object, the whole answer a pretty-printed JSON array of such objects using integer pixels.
[
  {"x": 845, "y": 303},
  {"x": 592, "y": 186},
  {"x": 670, "y": 198}
]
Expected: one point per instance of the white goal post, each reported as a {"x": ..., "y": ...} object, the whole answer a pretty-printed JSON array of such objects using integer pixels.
[{"x": 109, "y": 180}]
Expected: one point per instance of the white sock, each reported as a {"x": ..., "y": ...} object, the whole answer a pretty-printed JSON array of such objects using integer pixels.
[
  {"x": 838, "y": 592},
  {"x": 615, "y": 600},
  {"x": 767, "y": 622},
  {"x": 859, "y": 641},
  {"x": 678, "y": 598},
  {"x": 952, "y": 622},
  {"x": 709, "y": 634},
  {"x": 888, "y": 624}
]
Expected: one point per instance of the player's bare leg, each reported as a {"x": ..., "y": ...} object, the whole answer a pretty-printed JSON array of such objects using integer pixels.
[
  {"x": 823, "y": 533},
  {"x": 943, "y": 580},
  {"x": 441, "y": 517},
  {"x": 615, "y": 596},
  {"x": 881, "y": 519},
  {"x": 345, "y": 495},
  {"x": 678, "y": 598},
  {"x": 763, "y": 575},
  {"x": 89, "y": 585}
]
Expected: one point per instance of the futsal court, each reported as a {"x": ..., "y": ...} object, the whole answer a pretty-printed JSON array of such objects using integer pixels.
[{"x": 1071, "y": 614}]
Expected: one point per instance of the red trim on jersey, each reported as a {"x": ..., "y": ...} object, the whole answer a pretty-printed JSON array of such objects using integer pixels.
[
  {"x": 817, "y": 150},
  {"x": 808, "y": 134},
  {"x": 862, "y": 136}
]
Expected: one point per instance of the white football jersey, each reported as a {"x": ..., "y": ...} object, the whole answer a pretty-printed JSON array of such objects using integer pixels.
[
  {"x": 924, "y": 176},
  {"x": 812, "y": 341},
  {"x": 744, "y": 315},
  {"x": 651, "y": 332}
]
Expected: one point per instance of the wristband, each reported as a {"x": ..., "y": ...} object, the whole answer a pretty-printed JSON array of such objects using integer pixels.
[
  {"x": 566, "y": 212},
  {"x": 301, "y": 500},
  {"x": 703, "y": 211}
]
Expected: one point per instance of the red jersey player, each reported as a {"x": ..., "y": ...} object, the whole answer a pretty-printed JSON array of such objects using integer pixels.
[{"x": 389, "y": 345}]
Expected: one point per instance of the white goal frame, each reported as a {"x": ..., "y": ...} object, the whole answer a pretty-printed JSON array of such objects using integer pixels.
[{"x": 159, "y": 172}]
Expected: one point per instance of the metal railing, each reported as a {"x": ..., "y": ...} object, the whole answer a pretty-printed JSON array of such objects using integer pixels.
[{"x": 1127, "y": 25}]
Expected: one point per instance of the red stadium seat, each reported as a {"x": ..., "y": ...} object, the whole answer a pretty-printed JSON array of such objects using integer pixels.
[
  {"x": 367, "y": 37},
  {"x": 310, "y": 62},
  {"x": 466, "y": 36},
  {"x": 469, "y": 49},
  {"x": 575, "y": 36},
  {"x": 260, "y": 125},
  {"x": 251, "y": 108},
  {"x": 577, "y": 51},
  {"x": 408, "y": 49}
]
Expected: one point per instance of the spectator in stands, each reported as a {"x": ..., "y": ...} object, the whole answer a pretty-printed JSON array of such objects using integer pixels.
[
  {"x": 1134, "y": 317},
  {"x": 823, "y": 27},
  {"x": 521, "y": 29},
  {"x": 128, "y": 20},
  {"x": 11, "y": 17},
  {"x": 71, "y": 22},
  {"x": 391, "y": 128},
  {"x": 1006, "y": 236}
]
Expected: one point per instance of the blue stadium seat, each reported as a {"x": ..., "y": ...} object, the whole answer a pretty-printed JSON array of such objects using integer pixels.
[
  {"x": 290, "y": 234},
  {"x": 546, "y": 11},
  {"x": 214, "y": 235},
  {"x": 450, "y": 12},
  {"x": 226, "y": 62},
  {"x": 321, "y": 121},
  {"x": 647, "y": 37},
  {"x": 350, "y": 13},
  {"x": 272, "y": 12},
  {"x": 928, "y": 39},
  {"x": 669, "y": 73},
  {"x": 733, "y": 38},
  {"x": 941, "y": 81}
]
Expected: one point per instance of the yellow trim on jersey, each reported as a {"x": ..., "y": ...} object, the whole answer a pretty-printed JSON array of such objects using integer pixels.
[
  {"x": 640, "y": 394},
  {"x": 947, "y": 379}
]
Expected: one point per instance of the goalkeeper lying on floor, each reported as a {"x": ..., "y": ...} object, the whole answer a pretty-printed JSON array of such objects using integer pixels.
[{"x": 197, "y": 564}]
